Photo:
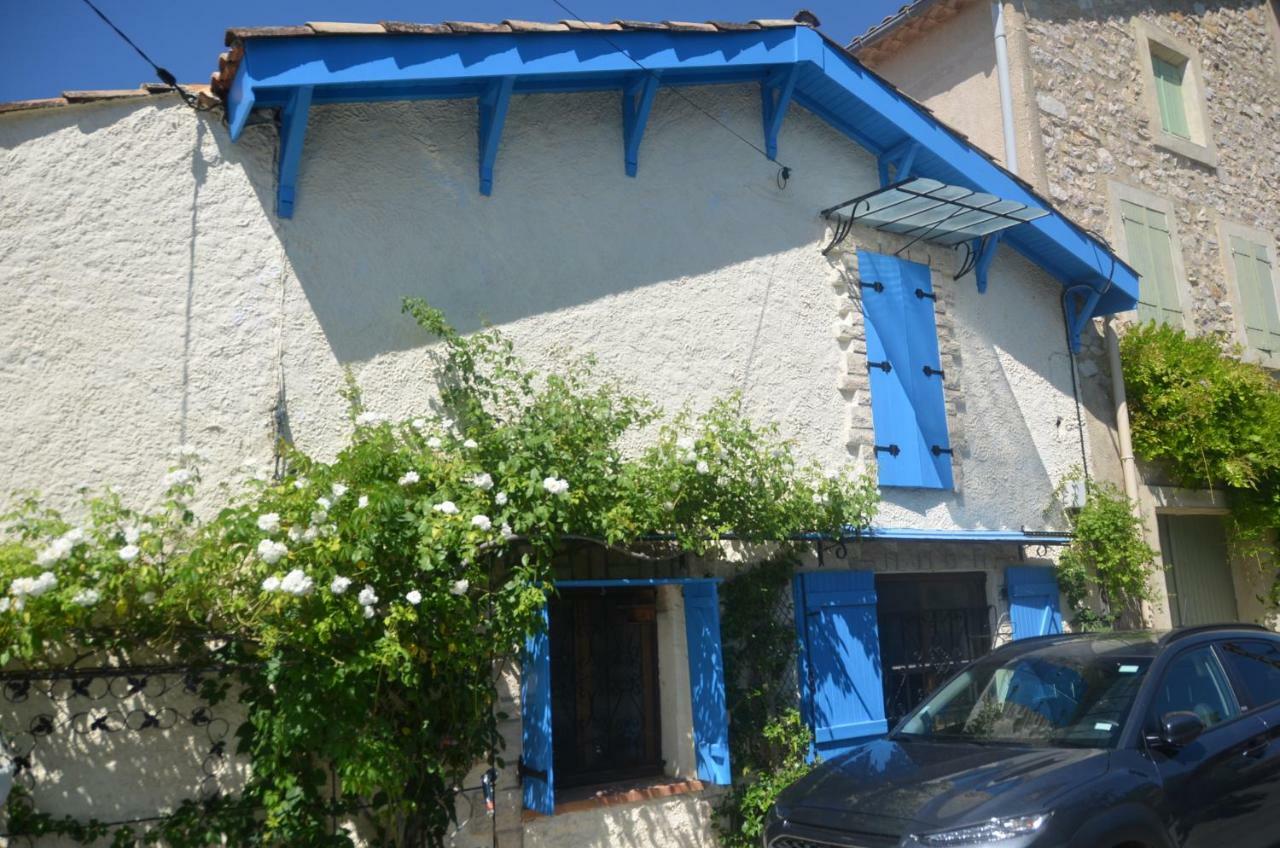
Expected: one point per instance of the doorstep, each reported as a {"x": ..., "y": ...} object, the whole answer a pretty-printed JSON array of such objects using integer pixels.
[{"x": 619, "y": 794}]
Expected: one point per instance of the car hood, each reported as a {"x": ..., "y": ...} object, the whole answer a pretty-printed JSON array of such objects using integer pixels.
[{"x": 888, "y": 786}]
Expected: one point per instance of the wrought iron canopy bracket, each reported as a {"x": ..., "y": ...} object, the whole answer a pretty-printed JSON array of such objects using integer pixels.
[{"x": 980, "y": 253}]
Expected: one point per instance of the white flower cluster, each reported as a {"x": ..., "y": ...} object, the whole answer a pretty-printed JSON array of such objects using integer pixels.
[
  {"x": 409, "y": 478},
  {"x": 460, "y": 587},
  {"x": 556, "y": 485},
  {"x": 86, "y": 597},
  {"x": 367, "y": 598},
  {"x": 271, "y": 551},
  {"x": 129, "y": 553},
  {"x": 132, "y": 534},
  {"x": 269, "y": 522},
  {"x": 370, "y": 419},
  {"x": 31, "y": 587},
  {"x": 482, "y": 481},
  {"x": 686, "y": 449},
  {"x": 60, "y": 548},
  {"x": 702, "y": 467},
  {"x": 177, "y": 477},
  {"x": 482, "y": 522},
  {"x": 295, "y": 583},
  {"x": 340, "y": 585},
  {"x": 470, "y": 444},
  {"x": 447, "y": 507},
  {"x": 362, "y": 502},
  {"x": 500, "y": 499},
  {"x": 338, "y": 490},
  {"x": 434, "y": 443},
  {"x": 413, "y": 596}
]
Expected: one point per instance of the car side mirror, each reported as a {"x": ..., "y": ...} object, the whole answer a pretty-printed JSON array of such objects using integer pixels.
[{"x": 1179, "y": 729}]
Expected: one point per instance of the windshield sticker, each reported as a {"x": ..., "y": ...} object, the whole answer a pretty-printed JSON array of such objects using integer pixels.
[
  {"x": 1104, "y": 726},
  {"x": 1128, "y": 669}
]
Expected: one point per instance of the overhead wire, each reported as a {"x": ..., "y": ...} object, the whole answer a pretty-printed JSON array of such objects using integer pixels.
[{"x": 164, "y": 74}]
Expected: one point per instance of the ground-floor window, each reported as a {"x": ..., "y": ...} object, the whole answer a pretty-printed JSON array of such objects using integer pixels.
[
  {"x": 1197, "y": 569},
  {"x": 930, "y": 625},
  {"x": 605, "y": 707}
]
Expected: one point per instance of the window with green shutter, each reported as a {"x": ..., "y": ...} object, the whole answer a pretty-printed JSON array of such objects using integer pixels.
[
  {"x": 1150, "y": 249},
  {"x": 1257, "y": 295},
  {"x": 1169, "y": 78}
]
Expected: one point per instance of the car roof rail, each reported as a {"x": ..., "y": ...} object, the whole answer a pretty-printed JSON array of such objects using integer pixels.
[{"x": 1183, "y": 632}]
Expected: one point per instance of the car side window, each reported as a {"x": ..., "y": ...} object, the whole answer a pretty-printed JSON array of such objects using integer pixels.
[
  {"x": 1195, "y": 682},
  {"x": 1256, "y": 664}
]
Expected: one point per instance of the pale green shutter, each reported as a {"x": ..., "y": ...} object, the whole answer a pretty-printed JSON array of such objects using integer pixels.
[
  {"x": 1150, "y": 249},
  {"x": 1197, "y": 569},
  {"x": 1257, "y": 294},
  {"x": 1173, "y": 111}
]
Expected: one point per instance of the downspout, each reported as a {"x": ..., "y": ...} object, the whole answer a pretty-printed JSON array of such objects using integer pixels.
[
  {"x": 1127, "y": 465},
  {"x": 1006, "y": 90}
]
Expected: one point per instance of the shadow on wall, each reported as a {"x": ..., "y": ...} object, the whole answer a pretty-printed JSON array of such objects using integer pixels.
[
  {"x": 388, "y": 206},
  {"x": 683, "y": 821}
]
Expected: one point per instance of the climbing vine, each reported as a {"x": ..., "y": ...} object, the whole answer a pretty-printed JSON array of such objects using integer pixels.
[
  {"x": 369, "y": 599},
  {"x": 1211, "y": 420},
  {"x": 769, "y": 743}
]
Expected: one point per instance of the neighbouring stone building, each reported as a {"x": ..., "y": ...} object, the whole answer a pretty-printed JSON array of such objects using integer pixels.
[
  {"x": 208, "y": 277},
  {"x": 1156, "y": 124}
]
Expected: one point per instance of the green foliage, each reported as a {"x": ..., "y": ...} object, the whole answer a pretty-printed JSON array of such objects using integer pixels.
[
  {"x": 768, "y": 741},
  {"x": 1108, "y": 553},
  {"x": 1211, "y": 420},
  {"x": 368, "y": 601}
]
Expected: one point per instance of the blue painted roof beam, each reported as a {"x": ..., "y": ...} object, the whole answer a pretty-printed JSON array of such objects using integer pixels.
[
  {"x": 493, "y": 114},
  {"x": 293, "y": 129},
  {"x": 902, "y": 158},
  {"x": 775, "y": 96},
  {"x": 637, "y": 100}
]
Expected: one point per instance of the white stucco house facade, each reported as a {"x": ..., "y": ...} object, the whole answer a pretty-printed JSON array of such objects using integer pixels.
[{"x": 174, "y": 276}]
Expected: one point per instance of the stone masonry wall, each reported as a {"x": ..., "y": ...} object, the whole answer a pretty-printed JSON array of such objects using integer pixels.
[{"x": 1095, "y": 125}]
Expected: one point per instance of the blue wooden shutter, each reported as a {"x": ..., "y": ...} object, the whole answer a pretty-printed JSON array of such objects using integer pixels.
[
  {"x": 841, "y": 687},
  {"x": 535, "y": 718},
  {"x": 1033, "y": 601},
  {"x": 706, "y": 679},
  {"x": 907, "y": 406}
]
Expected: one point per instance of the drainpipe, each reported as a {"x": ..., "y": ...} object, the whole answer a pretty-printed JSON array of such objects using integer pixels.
[
  {"x": 1122, "y": 419},
  {"x": 1006, "y": 91}
]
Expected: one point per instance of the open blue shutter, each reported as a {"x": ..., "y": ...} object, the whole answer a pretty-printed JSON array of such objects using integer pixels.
[
  {"x": 535, "y": 718},
  {"x": 1033, "y": 600},
  {"x": 843, "y": 695},
  {"x": 706, "y": 679},
  {"x": 907, "y": 406}
]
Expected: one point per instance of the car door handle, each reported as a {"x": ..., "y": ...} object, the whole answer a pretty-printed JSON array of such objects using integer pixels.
[{"x": 1257, "y": 749}]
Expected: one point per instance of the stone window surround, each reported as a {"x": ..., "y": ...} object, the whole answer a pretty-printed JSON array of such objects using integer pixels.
[
  {"x": 1119, "y": 191},
  {"x": 1201, "y": 147},
  {"x": 1227, "y": 229}
]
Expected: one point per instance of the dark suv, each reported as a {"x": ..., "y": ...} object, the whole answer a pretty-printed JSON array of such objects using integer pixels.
[{"x": 1121, "y": 740}]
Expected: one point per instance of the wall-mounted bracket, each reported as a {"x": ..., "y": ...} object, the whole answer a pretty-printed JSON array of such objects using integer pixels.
[
  {"x": 981, "y": 252},
  {"x": 637, "y": 100},
  {"x": 775, "y": 96},
  {"x": 902, "y": 158},
  {"x": 493, "y": 113},
  {"x": 293, "y": 129},
  {"x": 1079, "y": 311}
]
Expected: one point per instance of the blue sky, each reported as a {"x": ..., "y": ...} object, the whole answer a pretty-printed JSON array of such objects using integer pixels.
[{"x": 49, "y": 46}]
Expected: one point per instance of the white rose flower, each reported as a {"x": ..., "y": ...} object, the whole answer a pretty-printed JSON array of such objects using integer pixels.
[
  {"x": 295, "y": 533},
  {"x": 470, "y": 444},
  {"x": 148, "y": 598},
  {"x": 5, "y": 603},
  {"x": 460, "y": 587},
  {"x": 369, "y": 612},
  {"x": 363, "y": 502},
  {"x": 57, "y": 550},
  {"x": 500, "y": 499},
  {"x": 370, "y": 419},
  {"x": 271, "y": 551},
  {"x": 703, "y": 468},
  {"x": 271, "y": 584},
  {"x": 131, "y": 534},
  {"x": 685, "y": 443},
  {"x": 339, "y": 585},
  {"x": 74, "y": 536},
  {"x": 177, "y": 477},
  {"x": 482, "y": 522},
  {"x": 413, "y": 596},
  {"x": 418, "y": 423},
  {"x": 297, "y": 583},
  {"x": 434, "y": 443},
  {"x": 409, "y": 478},
  {"x": 311, "y": 534},
  {"x": 506, "y": 530},
  {"x": 128, "y": 553},
  {"x": 324, "y": 503},
  {"x": 482, "y": 481},
  {"x": 268, "y": 522},
  {"x": 367, "y": 596},
  {"x": 338, "y": 490},
  {"x": 555, "y": 485},
  {"x": 447, "y": 507},
  {"x": 86, "y": 597},
  {"x": 31, "y": 586}
]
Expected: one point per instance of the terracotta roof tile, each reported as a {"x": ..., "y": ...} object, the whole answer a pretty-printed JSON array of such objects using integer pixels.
[
  {"x": 340, "y": 28},
  {"x": 74, "y": 98},
  {"x": 535, "y": 26},
  {"x": 466, "y": 27},
  {"x": 236, "y": 33},
  {"x": 641, "y": 25},
  {"x": 407, "y": 28},
  {"x": 689, "y": 26},
  {"x": 590, "y": 26}
]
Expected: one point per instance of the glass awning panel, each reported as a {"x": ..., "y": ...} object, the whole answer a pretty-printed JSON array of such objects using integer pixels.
[{"x": 928, "y": 210}]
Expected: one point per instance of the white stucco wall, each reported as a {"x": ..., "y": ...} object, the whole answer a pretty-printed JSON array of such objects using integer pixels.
[{"x": 151, "y": 298}]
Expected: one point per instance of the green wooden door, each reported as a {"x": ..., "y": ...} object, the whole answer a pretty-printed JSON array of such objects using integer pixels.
[{"x": 1198, "y": 571}]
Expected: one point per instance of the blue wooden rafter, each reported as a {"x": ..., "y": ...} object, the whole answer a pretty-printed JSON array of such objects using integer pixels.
[
  {"x": 637, "y": 100},
  {"x": 493, "y": 114},
  {"x": 775, "y": 96},
  {"x": 293, "y": 129},
  {"x": 903, "y": 159},
  {"x": 1079, "y": 314},
  {"x": 986, "y": 249}
]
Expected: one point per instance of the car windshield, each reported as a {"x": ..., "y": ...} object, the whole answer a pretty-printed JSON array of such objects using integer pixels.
[{"x": 1048, "y": 697}]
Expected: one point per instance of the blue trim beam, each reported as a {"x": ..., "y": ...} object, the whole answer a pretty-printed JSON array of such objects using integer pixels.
[
  {"x": 986, "y": 249},
  {"x": 637, "y": 100},
  {"x": 493, "y": 114},
  {"x": 293, "y": 129},
  {"x": 775, "y": 96}
]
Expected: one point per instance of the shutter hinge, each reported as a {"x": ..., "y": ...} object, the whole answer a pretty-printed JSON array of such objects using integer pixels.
[
  {"x": 527, "y": 771},
  {"x": 877, "y": 286},
  {"x": 938, "y": 450},
  {"x": 884, "y": 365},
  {"x": 922, "y": 294},
  {"x": 892, "y": 450},
  {"x": 929, "y": 372}
]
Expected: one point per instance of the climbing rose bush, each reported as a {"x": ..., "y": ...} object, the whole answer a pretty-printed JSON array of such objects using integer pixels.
[{"x": 367, "y": 602}]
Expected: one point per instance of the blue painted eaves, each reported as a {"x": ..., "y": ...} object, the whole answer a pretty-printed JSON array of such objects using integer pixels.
[{"x": 793, "y": 64}]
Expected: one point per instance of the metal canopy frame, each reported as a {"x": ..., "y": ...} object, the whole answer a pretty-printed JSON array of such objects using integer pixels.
[{"x": 792, "y": 65}]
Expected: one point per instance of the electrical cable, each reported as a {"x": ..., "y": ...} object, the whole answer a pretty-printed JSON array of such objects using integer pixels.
[
  {"x": 1075, "y": 388},
  {"x": 165, "y": 75},
  {"x": 784, "y": 172}
]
